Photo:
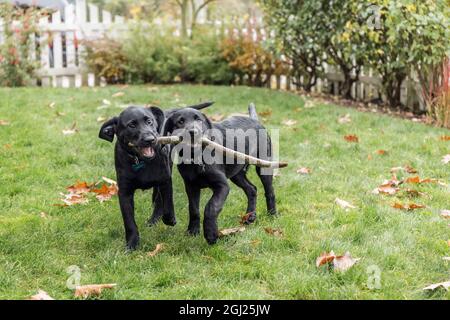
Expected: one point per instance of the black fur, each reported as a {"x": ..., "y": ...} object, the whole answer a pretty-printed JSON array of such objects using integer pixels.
[
  {"x": 215, "y": 176},
  {"x": 136, "y": 129}
]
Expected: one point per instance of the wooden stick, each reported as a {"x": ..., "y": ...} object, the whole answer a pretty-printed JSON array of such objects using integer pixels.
[{"x": 239, "y": 155}]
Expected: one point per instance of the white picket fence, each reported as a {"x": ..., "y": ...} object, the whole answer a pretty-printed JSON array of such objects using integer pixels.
[
  {"x": 61, "y": 51},
  {"x": 59, "y": 43}
]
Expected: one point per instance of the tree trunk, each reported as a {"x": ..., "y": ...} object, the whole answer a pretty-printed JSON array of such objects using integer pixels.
[{"x": 184, "y": 17}]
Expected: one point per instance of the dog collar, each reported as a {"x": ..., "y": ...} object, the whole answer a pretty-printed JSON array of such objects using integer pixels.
[{"x": 138, "y": 164}]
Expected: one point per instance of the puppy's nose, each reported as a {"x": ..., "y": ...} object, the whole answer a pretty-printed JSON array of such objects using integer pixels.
[{"x": 150, "y": 140}]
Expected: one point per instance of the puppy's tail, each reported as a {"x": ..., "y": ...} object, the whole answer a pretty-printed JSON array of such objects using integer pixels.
[{"x": 252, "y": 112}]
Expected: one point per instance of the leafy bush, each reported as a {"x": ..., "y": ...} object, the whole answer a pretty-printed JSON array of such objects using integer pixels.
[
  {"x": 394, "y": 37},
  {"x": 105, "y": 57},
  {"x": 250, "y": 60},
  {"x": 16, "y": 67},
  {"x": 153, "y": 55},
  {"x": 204, "y": 61}
]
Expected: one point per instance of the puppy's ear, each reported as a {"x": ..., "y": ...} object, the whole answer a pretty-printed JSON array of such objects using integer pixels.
[
  {"x": 168, "y": 127},
  {"x": 108, "y": 129},
  {"x": 208, "y": 122},
  {"x": 159, "y": 116}
]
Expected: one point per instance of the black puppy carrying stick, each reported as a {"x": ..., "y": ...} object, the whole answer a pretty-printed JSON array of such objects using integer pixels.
[
  {"x": 142, "y": 163},
  {"x": 197, "y": 176}
]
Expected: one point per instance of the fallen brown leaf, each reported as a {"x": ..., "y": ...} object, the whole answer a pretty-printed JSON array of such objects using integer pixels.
[
  {"x": 413, "y": 180},
  {"x": 108, "y": 180},
  {"x": 445, "y": 138},
  {"x": 274, "y": 232},
  {"x": 217, "y": 117},
  {"x": 444, "y": 285},
  {"x": 73, "y": 199},
  {"x": 157, "y": 250},
  {"x": 92, "y": 290},
  {"x": 118, "y": 94},
  {"x": 445, "y": 214},
  {"x": 409, "y": 207},
  {"x": 70, "y": 131},
  {"x": 345, "y": 262},
  {"x": 351, "y": 138},
  {"x": 386, "y": 189},
  {"x": 79, "y": 188},
  {"x": 446, "y": 159},
  {"x": 105, "y": 192},
  {"x": 382, "y": 152},
  {"x": 406, "y": 168},
  {"x": 304, "y": 170},
  {"x": 344, "y": 204},
  {"x": 101, "y": 119},
  {"x": 4, "y": 123},
  {"x": 345, "y": 119},
  {"x": 325, "y": 258},
  {"x": 227, "y": 232},
  {"x": 41, "y": 295},
  {"x": 265, "y": 113},
  {"x": 289, "y": 122}
]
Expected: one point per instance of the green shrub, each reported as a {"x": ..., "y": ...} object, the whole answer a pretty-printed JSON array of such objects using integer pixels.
[
  {"x": 153, "y": 56},
  {"x": 204, "y": 61},
  {"x": 105, "y": 57}
]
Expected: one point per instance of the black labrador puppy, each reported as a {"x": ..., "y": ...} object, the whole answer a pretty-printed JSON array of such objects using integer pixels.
[
  {"x": 198, "y": 175},
  {"x": 141, "y": 163}
]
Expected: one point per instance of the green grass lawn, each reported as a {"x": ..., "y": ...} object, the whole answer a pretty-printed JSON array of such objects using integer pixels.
[{"x": 37, "y": 162}]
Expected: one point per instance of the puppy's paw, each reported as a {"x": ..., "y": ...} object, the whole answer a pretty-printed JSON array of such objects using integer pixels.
[
  {"x": 249, "y": 218},
  {"x": 153, "y": 220},
  {"x": 193, "y": 230},
  {"x": 211, "y": 240},
  {"x": 169, "y": 220},
  {"x": 133, "y": 243}
]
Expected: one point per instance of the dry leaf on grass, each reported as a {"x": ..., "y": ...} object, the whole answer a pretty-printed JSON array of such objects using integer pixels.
[
  {"x": 157, "y": 250},
  {"x": 265, "y": 113},
  {"x": 340, "y": 263},
  {"x": 274, "y": 232},
  {"x": 52, "y": 105},
  {"x": 227, "y": 232},
  {"x": 345, "y": 119},
  {"x": 108, "y": 180},
  {"x": 351, "y": 138},
  {"x": 325, "y": 258},
  {"x": 406, "y": 168},
  {"x": 118, "y": 94},
  {"x": 92, "y": 290},
  {"x": 41, "y": 295},
  {"x": 70, "y": 131},
  {"x": 105, "y": 192},
  {"x": 43, "y": 215},
  {"x": 4, "y": 123},
  {"x": 386, "y": 189},
  {"x": 289, "y": 122},
  {"x": 382, "y": 152},
  {"x": 304, "y": 170},
  {"x": 216, "y": 117},
  {"x": 344, "y": 204},
  {"x": 445, "y": 214},
  {"x": 445, "y": 138},
  {"x": 79, "y": 188},
  {"x": 101, "y": 119},
  {"x": 446, "y": 159},
  {"x": 409, "y": 207},
  {"x": 446, "y": 258},
  {"x": 106, "y": 102},
  {"x": 444, "y": 285},
  {"x": 345, "y": 262},
  {"x": 73, "y": 199}
]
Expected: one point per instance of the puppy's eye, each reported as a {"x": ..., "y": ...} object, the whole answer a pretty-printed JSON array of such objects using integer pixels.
[
  {"x": 181, "y": 121},
  {"x": 196, "y": 118},
  {"x": 149, "y": 122},
  {"x": 132, "y": 125}
]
